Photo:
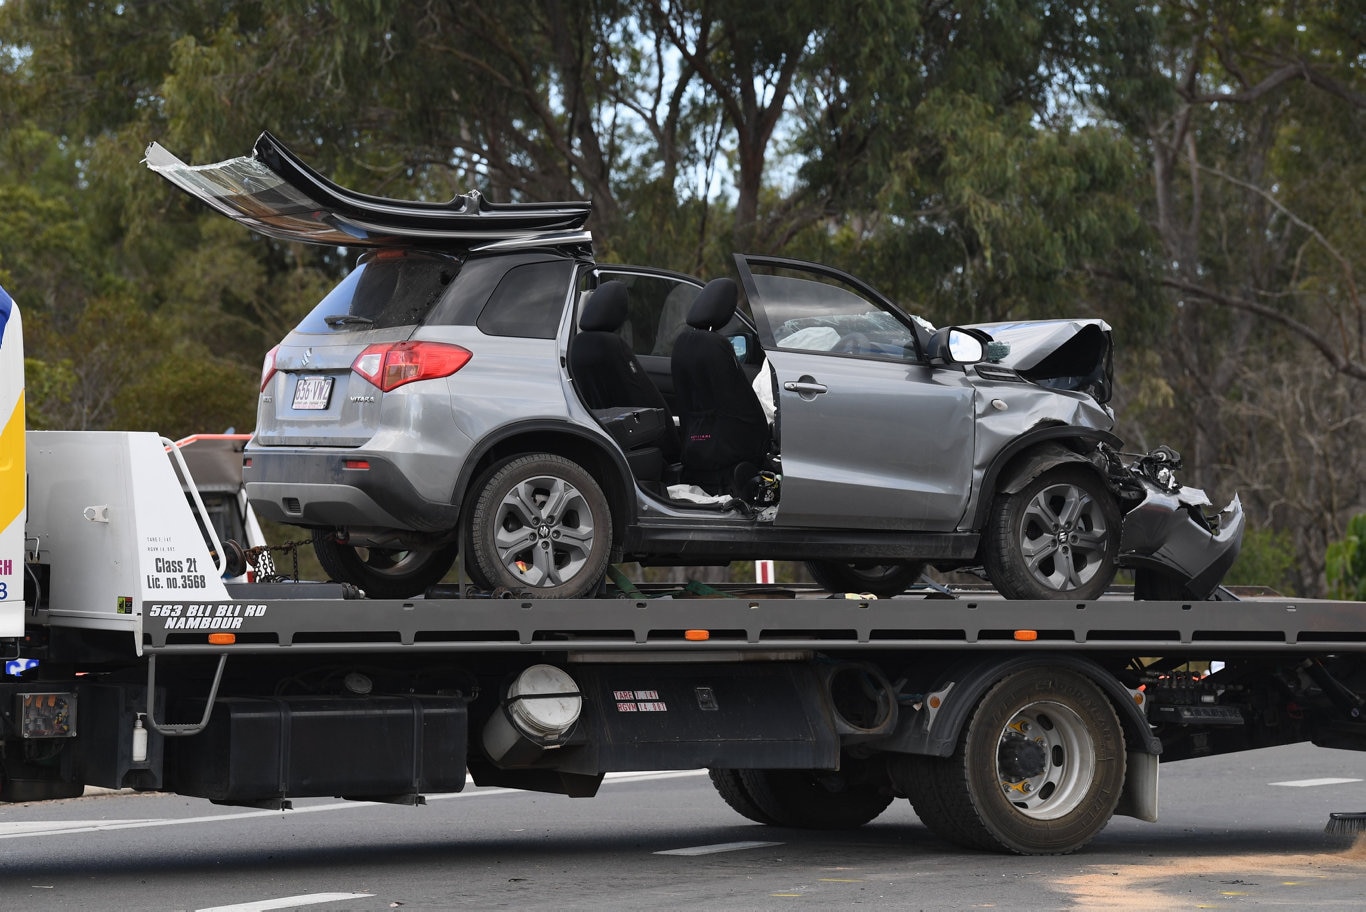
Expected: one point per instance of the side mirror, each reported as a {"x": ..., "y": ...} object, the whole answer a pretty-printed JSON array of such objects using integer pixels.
[
  {"x": 740, "y": 344},
  {"x": 956, "y": 345}
]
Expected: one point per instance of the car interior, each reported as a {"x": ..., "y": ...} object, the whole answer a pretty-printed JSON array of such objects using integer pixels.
[{"x": 721, "y": 441}]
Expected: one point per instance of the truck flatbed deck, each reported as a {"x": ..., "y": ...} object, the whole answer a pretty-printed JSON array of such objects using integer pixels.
[{"x": 753, "y": 621}]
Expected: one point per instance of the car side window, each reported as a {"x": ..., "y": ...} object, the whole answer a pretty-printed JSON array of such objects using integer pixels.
[
  {"x": 657, "y": 310},
  {"x": 528, "y": 302},
  {"x": 828, "y": 316}
]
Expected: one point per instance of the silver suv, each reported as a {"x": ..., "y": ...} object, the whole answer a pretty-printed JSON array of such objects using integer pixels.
[{"x": 479, "y": 383}]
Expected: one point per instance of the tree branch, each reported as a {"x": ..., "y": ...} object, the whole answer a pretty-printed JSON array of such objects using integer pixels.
[{"x": 1339, "y": 361}]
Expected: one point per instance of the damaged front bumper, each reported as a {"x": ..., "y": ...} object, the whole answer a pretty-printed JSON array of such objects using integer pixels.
[{"x": 1167, "y": 532}]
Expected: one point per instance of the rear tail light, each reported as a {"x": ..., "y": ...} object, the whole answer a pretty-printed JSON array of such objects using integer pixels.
[
  {"x": 268, "y": 367},
  {"x": 392, "y": 364}
]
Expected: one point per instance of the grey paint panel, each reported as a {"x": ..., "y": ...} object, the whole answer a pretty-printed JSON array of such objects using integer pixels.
[{"x": 882, "y": 448}]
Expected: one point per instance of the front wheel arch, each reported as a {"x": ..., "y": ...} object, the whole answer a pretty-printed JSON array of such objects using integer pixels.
[{"x": 1033, "y": 453}]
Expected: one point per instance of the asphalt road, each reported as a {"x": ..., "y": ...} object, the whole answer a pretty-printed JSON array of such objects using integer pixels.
[{"x": 1242, "y": 830}]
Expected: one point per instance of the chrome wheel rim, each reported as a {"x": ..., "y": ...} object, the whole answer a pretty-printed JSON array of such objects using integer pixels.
[
  {"x": 544, "y": 531},
  {"x": 1063, "y": 536},
  {"x": 1044, "y": 760}
]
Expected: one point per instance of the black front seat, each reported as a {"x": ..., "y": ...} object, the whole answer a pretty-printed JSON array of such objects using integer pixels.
[
  {"x": 608, "y": 376},
  {"x": 724, "y": 427}
]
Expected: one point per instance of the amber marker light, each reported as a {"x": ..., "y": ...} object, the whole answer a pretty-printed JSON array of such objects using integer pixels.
[
  {"x": 697, "y": 636},
  {"x": 1026, "y": 636},
  {"x": 222, "y": 639}
]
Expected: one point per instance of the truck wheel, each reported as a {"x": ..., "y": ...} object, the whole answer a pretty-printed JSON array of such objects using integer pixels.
[
  {"x": 882, "y": 580},
  {"x": 1058, "y": 538},
  {"x": 383, "y": 572},
  {"x": 730, "y": 787},
  {"x": 923, "y": 780},
  {"x": 541, "y": 523},
  {"x": 813, "y": 799},
  {"x": 1038, "y": 769}
]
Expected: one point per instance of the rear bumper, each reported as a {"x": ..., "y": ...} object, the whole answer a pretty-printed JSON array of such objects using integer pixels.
[{"x": 305, "y": 487}]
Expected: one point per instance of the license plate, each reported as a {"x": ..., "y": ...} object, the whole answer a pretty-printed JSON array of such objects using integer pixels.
[{"x": 312, "y": 393}]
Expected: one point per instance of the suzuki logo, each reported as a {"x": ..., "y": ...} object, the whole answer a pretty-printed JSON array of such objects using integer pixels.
[{"x": 308, "y": 356}]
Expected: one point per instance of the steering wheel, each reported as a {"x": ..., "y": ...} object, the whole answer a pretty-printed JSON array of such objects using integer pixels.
[{"x": 853, "y": 344}]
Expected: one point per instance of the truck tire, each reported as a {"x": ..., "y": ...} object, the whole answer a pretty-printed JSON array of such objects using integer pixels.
[
  {"x": 813, "y": 799},
  {"x": 882, "y": 580},
  {"x": 1057, "y": 538},
  {"x": 386, "y": 573},
  {"x": 1037, "y": 770},
  {"x": 730, "y": 787},
  {"x": 922, "y": 780},
  {"x": 541, "y": 524}
]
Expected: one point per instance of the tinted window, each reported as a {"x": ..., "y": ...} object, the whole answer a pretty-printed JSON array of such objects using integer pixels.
[
  {"x": 656, "y": 310},
  {"x": 529, "y": 301},
  {"x": 391, "y": 288}
]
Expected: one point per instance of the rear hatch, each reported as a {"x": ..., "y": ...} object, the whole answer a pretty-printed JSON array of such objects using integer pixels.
[
  {"x": 311, "y": 393},
  {"x": 273, "y": 193}
]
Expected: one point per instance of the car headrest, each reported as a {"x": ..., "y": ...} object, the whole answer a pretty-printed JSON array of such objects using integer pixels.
[
  {"x": 714, "y": 305},
  {"x": 605, "y": 309}
]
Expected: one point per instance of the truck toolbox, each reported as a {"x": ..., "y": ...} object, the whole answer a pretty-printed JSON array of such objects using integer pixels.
[{"x": 270, "y": 749}]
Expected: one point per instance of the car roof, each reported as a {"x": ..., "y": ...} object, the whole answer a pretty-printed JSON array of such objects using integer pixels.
[{"x": 274, "y": 193}]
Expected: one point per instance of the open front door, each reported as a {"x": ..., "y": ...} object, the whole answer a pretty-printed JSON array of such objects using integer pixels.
[{"x": 871, "y": 436}]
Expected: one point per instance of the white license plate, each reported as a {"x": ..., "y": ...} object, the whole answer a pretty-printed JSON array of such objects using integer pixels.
[{"x": 312, "y": 393}]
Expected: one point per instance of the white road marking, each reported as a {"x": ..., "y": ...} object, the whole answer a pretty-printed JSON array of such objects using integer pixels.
[
  {"x": 718, "y": 848},
  {"x": 37, "y": 827},
  {"x": 287, "y": 902},
  {"x": 20, "y": 830},
  {"x": 1305, "y": 783}
]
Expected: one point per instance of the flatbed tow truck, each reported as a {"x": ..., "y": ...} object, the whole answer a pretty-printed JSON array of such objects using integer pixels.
[{"x": 1017, "y": 726}]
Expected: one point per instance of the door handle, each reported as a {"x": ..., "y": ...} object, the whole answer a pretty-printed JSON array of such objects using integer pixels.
[{"x": 806, "y": 387}]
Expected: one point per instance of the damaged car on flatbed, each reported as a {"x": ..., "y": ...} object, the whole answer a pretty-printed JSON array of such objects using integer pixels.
[{"x": 478, "y": 384}]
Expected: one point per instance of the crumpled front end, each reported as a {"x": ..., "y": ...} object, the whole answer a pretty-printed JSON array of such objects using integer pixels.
[{"x": 1168, "y": 535}]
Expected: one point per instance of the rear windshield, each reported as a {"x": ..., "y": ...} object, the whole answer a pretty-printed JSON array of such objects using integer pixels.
[{"x": 392, "y": 288}]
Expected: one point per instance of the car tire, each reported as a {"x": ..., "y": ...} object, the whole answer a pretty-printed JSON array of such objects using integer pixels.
[
  {"x": 882, "y": 580},
  {"x": 541, "y": 524},
  {"x": 1057, "y": 538},
  {"x": 383, "y": 572}
]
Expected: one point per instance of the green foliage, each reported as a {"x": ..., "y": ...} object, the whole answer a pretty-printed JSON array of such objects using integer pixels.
[
  {"x": 1346, "y": 564},
  {"x": 1267, "y": 558}
]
